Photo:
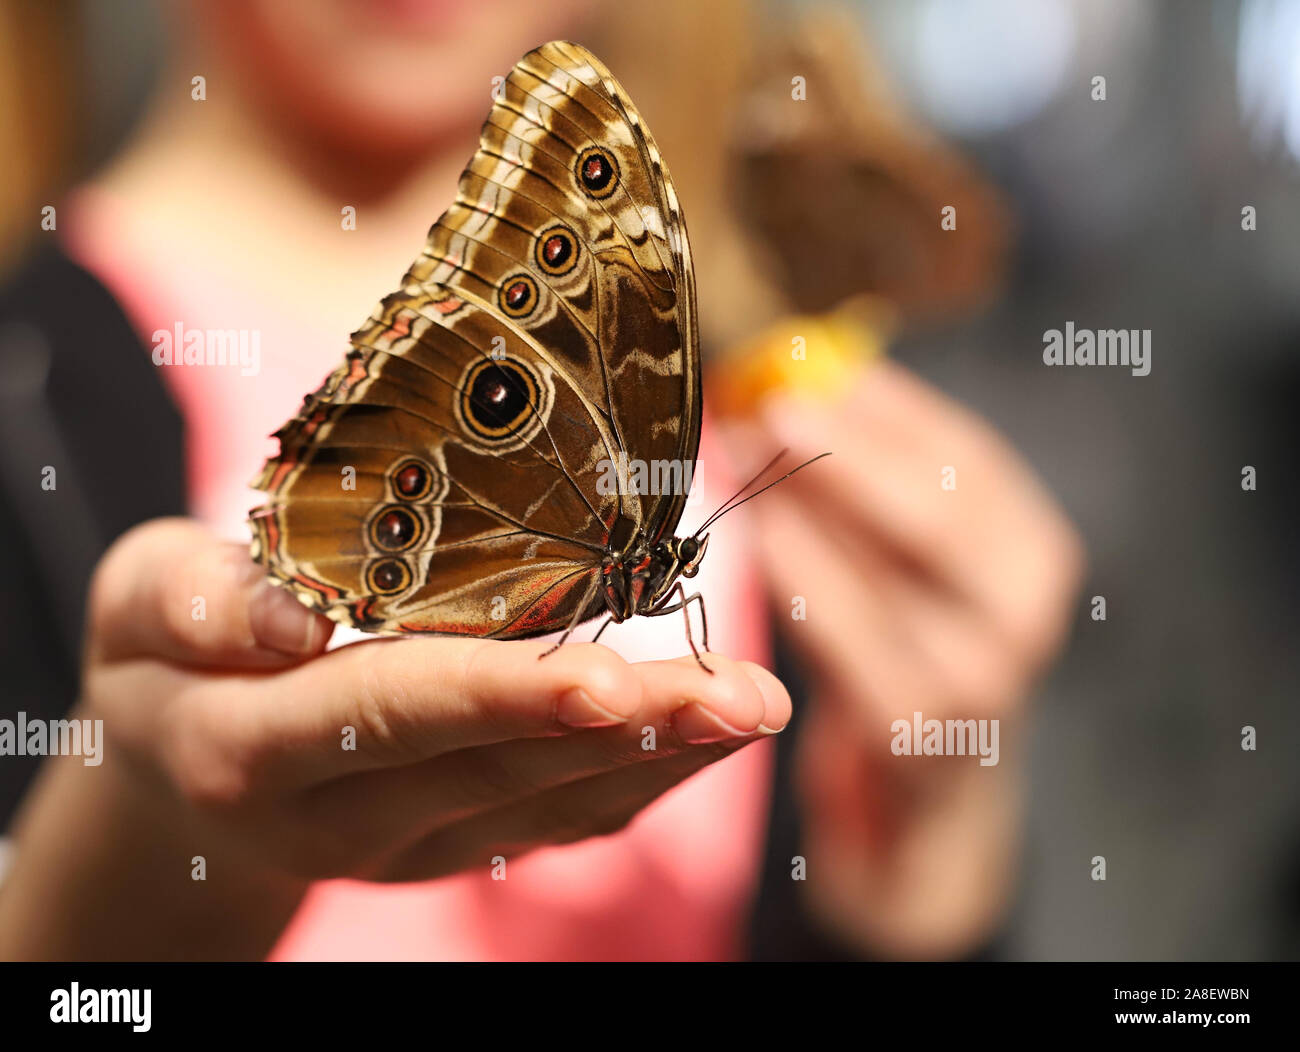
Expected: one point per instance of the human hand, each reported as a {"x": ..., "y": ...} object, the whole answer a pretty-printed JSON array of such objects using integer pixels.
[
  {"x": 919, "y": 598},
  {"x": 464, "y": 748}
]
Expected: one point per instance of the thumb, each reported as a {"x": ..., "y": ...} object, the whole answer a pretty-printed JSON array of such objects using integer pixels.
[{"x": 169, "y": 589}]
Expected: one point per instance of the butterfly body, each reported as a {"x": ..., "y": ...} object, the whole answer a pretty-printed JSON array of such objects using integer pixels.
[
  {"x": 446, "y": 478},
  {"x": 638, "y": 581}
]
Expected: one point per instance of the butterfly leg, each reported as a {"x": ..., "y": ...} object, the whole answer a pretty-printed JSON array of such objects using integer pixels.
[
  {"x": 575, "y": 620},
  {"x": 704, "y": 618},
  {"x": 608, "y": 621},
  {"x": 682, "y": 604}
]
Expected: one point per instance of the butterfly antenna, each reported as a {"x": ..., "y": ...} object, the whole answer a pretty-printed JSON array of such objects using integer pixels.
[
  {"x": 728, "y": 506},
  {"x": 762, "y": 471}
]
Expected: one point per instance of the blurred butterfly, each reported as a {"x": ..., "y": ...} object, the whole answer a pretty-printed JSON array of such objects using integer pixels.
[{"x": 452, "y": 475}]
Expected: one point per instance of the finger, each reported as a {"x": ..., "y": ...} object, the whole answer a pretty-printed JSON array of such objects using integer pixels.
[
  {"x": 596, "y": 806},
  {"x": 681, "y": 710},
  {"x": 384, "y": 703},
  {"x": 168, "y": 589},
  {"x": 848, "y": 629},
  {"x": 984, "y": 529},
  {"x": 412, "y": 700},
  {"x": 947, "y": 638},
  {"x": 897, "y": 402}
]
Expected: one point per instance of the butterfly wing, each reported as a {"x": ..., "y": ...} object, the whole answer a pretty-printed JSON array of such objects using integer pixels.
[
  {"x": 447, "y": 477},
  {"x": 569, "y": 191}
]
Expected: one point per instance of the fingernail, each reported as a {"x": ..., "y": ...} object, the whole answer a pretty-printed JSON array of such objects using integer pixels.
[
  {"x": 577, "y": 709},
  {"x": 763, "y": 682},
  {"x": 696, "y": 725},
  {"x": 280, "y": 622}
]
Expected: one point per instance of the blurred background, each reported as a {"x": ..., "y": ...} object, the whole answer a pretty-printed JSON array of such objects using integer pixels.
[{"x": 1117, "y": 213}]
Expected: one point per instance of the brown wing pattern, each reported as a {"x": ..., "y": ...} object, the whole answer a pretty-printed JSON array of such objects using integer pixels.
[{"x": 445, "y": 477}]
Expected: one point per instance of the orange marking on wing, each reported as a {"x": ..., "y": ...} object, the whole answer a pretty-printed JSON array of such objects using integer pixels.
[
  {"x": 356, "y": 373},
  {"x": 543, "y": 609},
  {"x": 398, "y": 329},
  {"x": 289, "y": 459},
  {"x": 327, "y": 592},
  {"x": 272, "y": 523},
  {"x": 282, "y": 469}
]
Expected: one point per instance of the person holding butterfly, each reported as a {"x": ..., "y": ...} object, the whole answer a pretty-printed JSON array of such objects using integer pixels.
[{"x": 386, "y": 799}]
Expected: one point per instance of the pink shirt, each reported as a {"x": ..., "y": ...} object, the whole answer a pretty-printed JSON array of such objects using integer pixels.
[{"x": 677, "y": 883}]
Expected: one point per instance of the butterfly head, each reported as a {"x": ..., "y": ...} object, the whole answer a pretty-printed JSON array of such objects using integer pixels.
[
  {"x": 690, "y": 553},
  {"x": 673, "y": 557}
]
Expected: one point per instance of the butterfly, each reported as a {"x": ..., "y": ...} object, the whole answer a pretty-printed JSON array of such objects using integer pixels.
[{"x": 459, "y": 473}]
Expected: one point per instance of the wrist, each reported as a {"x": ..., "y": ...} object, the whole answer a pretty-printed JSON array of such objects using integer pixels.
[{"x": 108, "y": 864}]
